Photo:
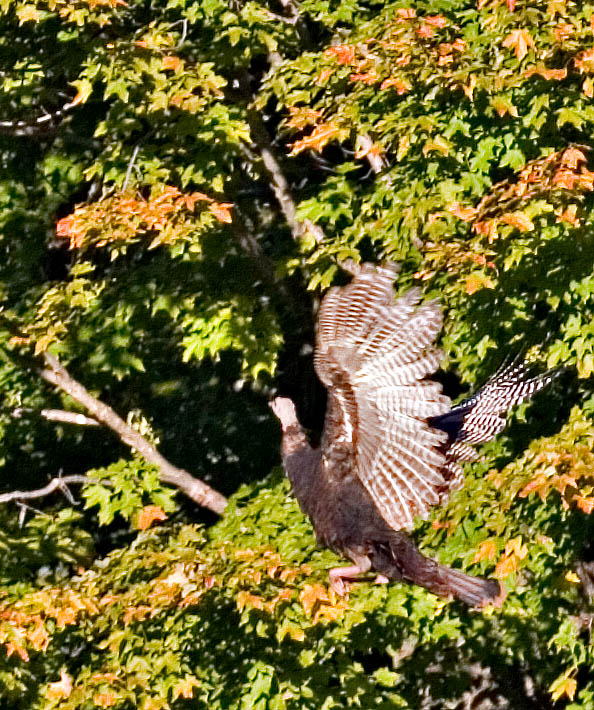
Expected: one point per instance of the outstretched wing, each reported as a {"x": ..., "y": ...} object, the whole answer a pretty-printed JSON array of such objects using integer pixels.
[{"x": 373, "y": 353}]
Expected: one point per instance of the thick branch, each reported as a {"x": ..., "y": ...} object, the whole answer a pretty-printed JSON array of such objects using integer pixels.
[
  {"x": 194, "y": 488},
  {"x": 56, "y": 484}
]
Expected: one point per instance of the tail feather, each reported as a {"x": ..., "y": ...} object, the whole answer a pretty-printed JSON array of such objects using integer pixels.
[{"x": 401, "y": 560}]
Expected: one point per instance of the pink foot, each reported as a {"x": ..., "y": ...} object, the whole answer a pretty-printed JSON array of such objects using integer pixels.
[
  {"x": 339, "y": 575},
  {"x": 381, "y": 579}
]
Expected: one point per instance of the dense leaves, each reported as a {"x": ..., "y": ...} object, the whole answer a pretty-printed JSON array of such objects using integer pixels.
[{"x": 179, "y": 181}]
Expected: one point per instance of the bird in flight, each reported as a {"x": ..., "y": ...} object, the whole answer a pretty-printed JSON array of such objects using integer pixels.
[{"x": 392, "y": 443}]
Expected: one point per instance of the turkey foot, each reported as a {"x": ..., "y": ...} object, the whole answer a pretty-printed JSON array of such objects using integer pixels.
[{"x": 339, "y": 575}]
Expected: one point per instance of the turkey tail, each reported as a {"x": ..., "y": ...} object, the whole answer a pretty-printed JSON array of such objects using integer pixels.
[
  {"x": 403, "y": 561},
  {"x": 481, "y": 417}
]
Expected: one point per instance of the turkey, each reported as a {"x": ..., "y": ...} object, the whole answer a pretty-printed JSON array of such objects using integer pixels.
[{"x": 392, "y": 443}]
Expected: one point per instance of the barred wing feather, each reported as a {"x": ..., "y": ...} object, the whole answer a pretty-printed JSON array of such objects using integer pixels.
[{"x": 372, "y": 353}]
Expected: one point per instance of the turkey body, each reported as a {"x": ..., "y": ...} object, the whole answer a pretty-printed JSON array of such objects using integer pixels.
[{"x": 392, "y": 443}]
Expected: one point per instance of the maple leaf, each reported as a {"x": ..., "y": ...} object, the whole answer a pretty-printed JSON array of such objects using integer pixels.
[
  {"x": 171, "y": 63},
  {"x": 486, "y": 551},
  {"x": 323, "y": 76},
  {"x": 519, "y": 41},
  {"x": 401, "y": 86},
  {"x": 563, "y": 31},
  {"x": 436, "y": 21},
  {"x": 425, "y": 31},
  {"x": 588, "y": 87},
  {"x": 28, "y": 13},
  {"x": 221, "y": 210},
  {"x": 475, "y": 282},
  {"x": 61, "y": 688},
  {"x": 585, "y": 503},
  {"x": 368, "y": 78},
  {"x": 572, "y": 157},
  {"x": 564, "y": 685},
  {"x": 148, "y": 515},
  {"x": 319, "y": 138},
  {"x": 518, "y": 220},
  {"x": 104, "y": 700},
  {"x": 467, "y": 214},
  {"x": 344, "y": 53}
]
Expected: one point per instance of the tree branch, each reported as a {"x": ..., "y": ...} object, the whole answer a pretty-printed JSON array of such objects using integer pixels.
[
  {"x": 278, "y": 182},
  {"x": 59, "y": 483},
  {"x": 56, "y": 374},
  {"x": 58, "y": 415},
  {"x": 37, "y": 125}
]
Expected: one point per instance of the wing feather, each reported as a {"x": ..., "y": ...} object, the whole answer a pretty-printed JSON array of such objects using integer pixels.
[{"x": 373, "y": 352}]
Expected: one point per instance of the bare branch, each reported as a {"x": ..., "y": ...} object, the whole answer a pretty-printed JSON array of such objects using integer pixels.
[
  {"x": 60, "y": 483},
  {"x": 278, "y": 182},
  {"x": 57, "y": 415},
  {"x": 56, "y": 374},
  {"x": 36, "y": 125}
]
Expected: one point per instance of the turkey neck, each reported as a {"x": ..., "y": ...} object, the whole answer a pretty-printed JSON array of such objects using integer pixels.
[{"x": 302, "y": 464}]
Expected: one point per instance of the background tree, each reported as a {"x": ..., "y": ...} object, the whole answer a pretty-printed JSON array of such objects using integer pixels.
[{"x": 179, "y": 180}]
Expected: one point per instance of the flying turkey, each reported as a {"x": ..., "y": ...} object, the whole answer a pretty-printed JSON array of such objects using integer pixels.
[{"x": 392, "y": 443}]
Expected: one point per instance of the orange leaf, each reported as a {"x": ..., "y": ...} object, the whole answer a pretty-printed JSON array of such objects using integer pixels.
[
  {"x": 221, "y": 211},
  {"x": 588, "y": 87},
  {"x": 369, "y": 78},
  {"x": 486, "y": 551},
  {"x": 406, "y": 13},
  {"x": 171, "y": 63},
  {"x": 312, "y": 594},
  {"x": 344, "y": 53},
  {"x": 61, "y": 688},
  {"x": 518, "y": 220},
  {"x": 511, "y": 4},
  {"x": 475, "y": 282},
  {"x": 148, "y": 515},
  {"x": 586, "y": 504},
  {"x": 467, "y": 214},
  {"x": 563, "y": 31},
  {"x": 425, "y": 31},
  {"x": 323, "y": 76},
  {"x": 401, "y": 86},
  {"x": 436, "y": 21},
  {"x": 506, "y": 566},
  {"x": 319, "y": 137},
  {"x": 104, "y": 700},
  {"x": 519, "y": 41},
  {"x": 12, "y": 647},
  {"x": 572, "y": 157},
  {"x": 569, "y": 215}
]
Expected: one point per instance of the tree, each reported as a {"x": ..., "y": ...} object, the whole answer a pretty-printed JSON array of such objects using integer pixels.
[{"x": 180, "y": 180}]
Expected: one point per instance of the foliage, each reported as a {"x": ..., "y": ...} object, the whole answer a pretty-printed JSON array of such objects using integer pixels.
[{"x": 149, "y": 240}]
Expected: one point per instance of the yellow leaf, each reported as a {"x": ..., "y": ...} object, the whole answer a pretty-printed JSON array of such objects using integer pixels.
[
  {"x": 476, "y": 281},
  {"x": 572, "y": 577},
  {"x": 564, "y": 685},
  {"x": 519, "y": 41},
  {"x": 61, "y": 688},
  {"x": 28, "y": 13},
  {"x": 486, "y": 551}
]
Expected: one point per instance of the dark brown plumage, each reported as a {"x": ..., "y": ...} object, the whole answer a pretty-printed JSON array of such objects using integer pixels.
[{"x": 391, "y": 441}]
